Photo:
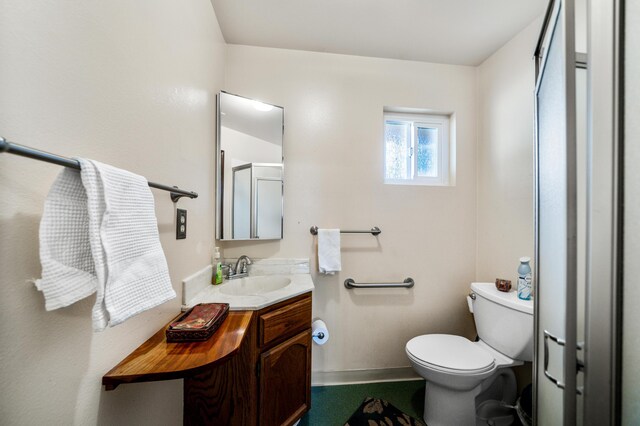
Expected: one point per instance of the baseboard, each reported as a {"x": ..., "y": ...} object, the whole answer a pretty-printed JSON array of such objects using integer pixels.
[{"x": 348, "y": 377}]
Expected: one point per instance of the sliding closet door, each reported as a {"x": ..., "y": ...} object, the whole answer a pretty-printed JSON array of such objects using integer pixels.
[{"x": 555, "y": 297}]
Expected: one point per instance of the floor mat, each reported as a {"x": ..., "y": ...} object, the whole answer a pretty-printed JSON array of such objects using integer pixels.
[{"x": 374, "y": 412}]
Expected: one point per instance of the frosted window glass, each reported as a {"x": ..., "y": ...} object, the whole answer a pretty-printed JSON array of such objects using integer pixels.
[
  {"x": 427, "y": 155},
  {"x": 397, "y": 145}
]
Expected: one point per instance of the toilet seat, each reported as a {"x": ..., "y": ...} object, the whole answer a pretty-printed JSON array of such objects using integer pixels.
[{"x": 450, "y": 354}]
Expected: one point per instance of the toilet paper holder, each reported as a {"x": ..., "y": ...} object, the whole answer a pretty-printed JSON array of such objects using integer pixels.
[
  {"x": 319, "y": 335},
  {"x": 319, "y": 332}
]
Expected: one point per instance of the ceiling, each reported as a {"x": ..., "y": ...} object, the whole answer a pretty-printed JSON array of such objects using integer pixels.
[{"x": 463, "y": 32}]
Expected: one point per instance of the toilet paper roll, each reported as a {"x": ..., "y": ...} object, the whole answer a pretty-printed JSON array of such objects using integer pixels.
[{"x": 319, "y": 332}]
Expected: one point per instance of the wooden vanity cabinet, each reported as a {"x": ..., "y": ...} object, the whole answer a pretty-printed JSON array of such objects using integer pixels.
[
  {"x": 285, "y": 381},
  {"x": 284, "y": 367},
  {"x": 254, "y": 371},
  {"x": 268, "y": 382}
]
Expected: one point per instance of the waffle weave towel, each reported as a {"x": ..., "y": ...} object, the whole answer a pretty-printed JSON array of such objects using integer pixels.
[{"x": 99, "y": 234}]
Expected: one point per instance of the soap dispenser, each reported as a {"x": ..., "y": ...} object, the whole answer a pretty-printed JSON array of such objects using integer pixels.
[{"x": 217, "y": 267}]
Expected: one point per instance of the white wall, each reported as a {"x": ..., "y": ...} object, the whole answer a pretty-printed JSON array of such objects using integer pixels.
[
  {"x": 128, "y": 83},
  {"x": 505, "y": 157},
  {"x": 631, "y": 314},
  {"x": 333, "y": 148}
]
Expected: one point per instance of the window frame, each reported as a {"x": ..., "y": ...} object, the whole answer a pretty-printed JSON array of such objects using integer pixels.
[{"x": 431, "y": 121}]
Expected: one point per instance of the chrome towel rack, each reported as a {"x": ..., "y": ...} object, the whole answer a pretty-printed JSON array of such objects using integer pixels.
[
  {"x": 373, "y": 231},
  {"x": 25, "y": 151},
  {"x": 407, "y": 283}
]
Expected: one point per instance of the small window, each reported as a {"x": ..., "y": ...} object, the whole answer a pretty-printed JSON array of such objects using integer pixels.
[{"x": 416, "y": 149}]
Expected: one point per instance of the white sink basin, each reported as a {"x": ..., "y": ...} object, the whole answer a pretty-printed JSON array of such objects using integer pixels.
[
  {"x": 254, "y": 292},
  {"x": 254, "y": 286}
]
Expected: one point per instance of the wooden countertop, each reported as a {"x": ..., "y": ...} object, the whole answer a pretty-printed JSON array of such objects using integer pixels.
[{"x": 157, "y": 360}]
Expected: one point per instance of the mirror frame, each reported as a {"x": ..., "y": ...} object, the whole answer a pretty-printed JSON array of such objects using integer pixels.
[{"x": 218, "y": 184}]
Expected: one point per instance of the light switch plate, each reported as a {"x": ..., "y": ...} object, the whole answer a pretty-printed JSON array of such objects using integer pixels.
[{"x": 181, "y": 224}]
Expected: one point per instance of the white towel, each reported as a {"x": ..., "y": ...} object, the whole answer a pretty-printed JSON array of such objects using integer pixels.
[
  {"x": 99, "y": 234},
  {"x": 329, "y": 261}
]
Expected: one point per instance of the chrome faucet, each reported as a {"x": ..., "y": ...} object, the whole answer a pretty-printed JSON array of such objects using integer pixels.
[
  {"x": 244, "y": 261},
  {"x": 240, "y": 269}
]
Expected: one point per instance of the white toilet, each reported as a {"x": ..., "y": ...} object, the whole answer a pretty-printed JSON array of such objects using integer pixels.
[{"x": 462, "y": 374}]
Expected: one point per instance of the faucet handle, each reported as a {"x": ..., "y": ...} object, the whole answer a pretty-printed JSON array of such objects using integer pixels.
[{"x": 228, "y": 268}]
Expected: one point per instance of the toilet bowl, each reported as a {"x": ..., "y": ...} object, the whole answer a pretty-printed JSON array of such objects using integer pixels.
[{"x": 461, "y": 374}]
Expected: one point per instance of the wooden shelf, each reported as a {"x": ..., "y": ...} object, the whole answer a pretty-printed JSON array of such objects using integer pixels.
[{"x": 158, "y": 360}]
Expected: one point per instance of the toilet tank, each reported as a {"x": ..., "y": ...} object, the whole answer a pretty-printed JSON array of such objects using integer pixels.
[{"x": 503, "y": 321}]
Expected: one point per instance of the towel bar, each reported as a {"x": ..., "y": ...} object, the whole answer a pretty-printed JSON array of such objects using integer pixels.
[
  {"x": 373, "y": 231},
  {"x": 407, "y": 283},
  {"x": 25, "y": 151}
]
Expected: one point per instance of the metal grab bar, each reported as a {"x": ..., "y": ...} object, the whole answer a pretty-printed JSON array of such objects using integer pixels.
[
  {"x": 36, "y": 154},
  {"x": 407, "y": 283},
  {"x": 373, "y": 231}
]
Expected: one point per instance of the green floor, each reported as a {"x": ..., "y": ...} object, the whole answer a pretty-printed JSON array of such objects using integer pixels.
[{"x": 333, "y": 405}]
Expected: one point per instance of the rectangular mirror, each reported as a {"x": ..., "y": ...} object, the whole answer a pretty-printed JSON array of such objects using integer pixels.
[{"x": 250, "y": 169}]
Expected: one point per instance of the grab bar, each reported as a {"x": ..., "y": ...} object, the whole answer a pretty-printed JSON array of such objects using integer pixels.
[
  {"x": 373, "y": 231},
  {"x": 407, "y": 283}
]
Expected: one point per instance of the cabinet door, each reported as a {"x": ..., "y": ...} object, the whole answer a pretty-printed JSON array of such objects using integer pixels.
[{"x": 285, "y": 381}]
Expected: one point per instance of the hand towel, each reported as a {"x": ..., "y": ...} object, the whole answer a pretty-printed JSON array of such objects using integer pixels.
[
  {"x": 99, "y": 233},
  {"x": 68, "y": 271},
  {"x": 329, "y": 261}
]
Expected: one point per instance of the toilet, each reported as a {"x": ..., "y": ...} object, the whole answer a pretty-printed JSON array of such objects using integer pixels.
[{"x": 462, "y": 374}]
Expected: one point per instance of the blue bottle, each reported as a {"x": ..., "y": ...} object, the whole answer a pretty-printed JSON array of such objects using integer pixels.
[{"x": 524, "y": 279}]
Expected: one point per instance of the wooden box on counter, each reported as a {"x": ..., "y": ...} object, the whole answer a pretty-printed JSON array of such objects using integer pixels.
[{"x": 198, "y": 323}]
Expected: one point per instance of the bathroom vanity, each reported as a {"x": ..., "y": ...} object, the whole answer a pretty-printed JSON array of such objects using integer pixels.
[
  {"x": 268, "y": 382},
  {"x": 255, "y": 370}
]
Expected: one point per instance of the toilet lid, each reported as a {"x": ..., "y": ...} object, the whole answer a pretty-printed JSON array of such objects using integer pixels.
[{"x": 450, "y": 352}]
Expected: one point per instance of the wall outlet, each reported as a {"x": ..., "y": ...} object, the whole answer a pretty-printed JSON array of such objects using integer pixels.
[{"x": 181, "y": 224}]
